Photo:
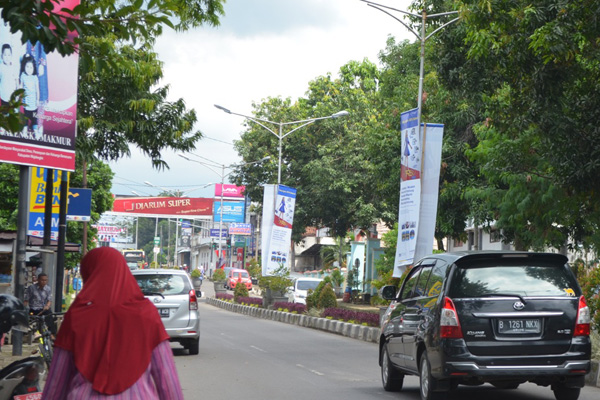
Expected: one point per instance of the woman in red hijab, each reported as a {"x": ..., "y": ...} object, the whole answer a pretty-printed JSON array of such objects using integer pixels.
[{"x": 112, "y": 343}]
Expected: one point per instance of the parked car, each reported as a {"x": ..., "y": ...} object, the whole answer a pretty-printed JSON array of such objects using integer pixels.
[
  {"x": 299, "y": 291},
  {"x": 172, "y": 293},
  {"x": 470, "y": 318},
  {"x": 238, "y": 275}
]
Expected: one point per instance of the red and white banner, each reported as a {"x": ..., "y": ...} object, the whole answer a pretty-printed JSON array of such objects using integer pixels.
[
  {"x": 277, "y": 226},
  {"x": 164, "y": 206}
]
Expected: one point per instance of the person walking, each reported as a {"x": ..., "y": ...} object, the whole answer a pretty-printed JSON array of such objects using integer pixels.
[
  {"x": 112, "y": 343},
  {"x": 38, "y": 297}
]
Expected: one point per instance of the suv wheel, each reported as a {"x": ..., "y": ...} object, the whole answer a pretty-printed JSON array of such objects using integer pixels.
[
  {"x": 427, "y": 382},
  {"x": 194, "y": 346},
  {"x": 562, "y": 392},
  {"x": 391, "y": 378}
]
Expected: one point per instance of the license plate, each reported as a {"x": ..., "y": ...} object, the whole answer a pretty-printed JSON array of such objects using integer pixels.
[
  {"x": 164, "y": 312},
  {"x": 516, "y": 326}
]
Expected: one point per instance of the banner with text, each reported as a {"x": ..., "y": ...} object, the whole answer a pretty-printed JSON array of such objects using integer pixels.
[
  {"x": 419, "y": 186},
  {"x": 47, "y": 138},
  {"x": 164, "y": 206},
  {"x": 229, "y": 191},
  {"x": 281, "y": 232},
  {"x": 37, "y": 201},
  {"x": 410, "y": 191}
]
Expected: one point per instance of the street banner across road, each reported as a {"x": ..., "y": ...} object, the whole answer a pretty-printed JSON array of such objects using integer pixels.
[
  {"x": 164, "y": 206},
  {"x": 50, "y": 102}
]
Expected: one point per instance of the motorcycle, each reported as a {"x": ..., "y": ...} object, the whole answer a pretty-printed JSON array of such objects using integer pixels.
[{"x": 23, "y": 376}]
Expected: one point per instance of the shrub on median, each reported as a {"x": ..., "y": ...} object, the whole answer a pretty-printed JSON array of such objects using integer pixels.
[
  {"x": 354, "y": 317},
  {"x": 289, "y": 307}
]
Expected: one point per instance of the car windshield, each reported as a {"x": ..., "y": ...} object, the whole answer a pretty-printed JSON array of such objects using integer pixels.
[
  {"x": 307, "y": 285},
  {"x": 499, "y": 278},
  {"x": 244, "y": 274},
  {"x": 166, "y": 284}
]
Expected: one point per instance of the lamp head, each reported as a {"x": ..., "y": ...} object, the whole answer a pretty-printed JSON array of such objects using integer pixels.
[
  {"x": 339, "y": 114},
  {"x": 222, "y": 108}
]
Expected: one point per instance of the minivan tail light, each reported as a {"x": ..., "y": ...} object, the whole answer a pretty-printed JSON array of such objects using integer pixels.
[
  {"x": 193, "y": 300},
  {"x": 449, "y": 324},
  {"x": 582, "y": 326}
]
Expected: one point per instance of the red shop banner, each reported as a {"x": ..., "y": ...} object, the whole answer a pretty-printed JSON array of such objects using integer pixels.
[{"x": 189, "y": 206}]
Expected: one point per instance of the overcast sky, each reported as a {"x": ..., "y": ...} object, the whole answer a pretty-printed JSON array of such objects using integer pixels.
[{"x": 263, "y": 48}]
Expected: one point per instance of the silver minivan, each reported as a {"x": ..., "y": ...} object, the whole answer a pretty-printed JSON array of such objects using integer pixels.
[{"x": 173, "y": 294}]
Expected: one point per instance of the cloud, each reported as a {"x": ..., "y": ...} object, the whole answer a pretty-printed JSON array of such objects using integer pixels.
[{"x": 263, "y": 48}]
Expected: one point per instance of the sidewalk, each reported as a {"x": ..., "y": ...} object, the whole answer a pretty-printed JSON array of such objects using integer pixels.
[{"x": 6, "y": 356}]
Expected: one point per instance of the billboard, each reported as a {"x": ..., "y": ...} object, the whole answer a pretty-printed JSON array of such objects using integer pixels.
[
  {"x": 164, "y": 206},
  {"x": 50, "y": 103},
  {"x": 278, "y": 227},
  {"x": 229, "y": 191},
  {"x": 37, "y": 202},
  {"x": 233, "y": 211}
]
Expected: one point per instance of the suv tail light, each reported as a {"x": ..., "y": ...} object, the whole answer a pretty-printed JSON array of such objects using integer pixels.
[
  {"x": 449, "y": 324},
  {"x": 193, "y": 300},
  {"x": 582, "y": 326}
]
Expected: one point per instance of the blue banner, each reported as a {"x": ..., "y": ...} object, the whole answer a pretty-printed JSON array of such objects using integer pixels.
[{"x": 233, "y": 211}]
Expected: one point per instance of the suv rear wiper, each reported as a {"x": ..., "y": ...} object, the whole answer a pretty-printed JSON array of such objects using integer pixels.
[
  {"x": 153, "y": 294},
  {"x": 504, "y": 295}
]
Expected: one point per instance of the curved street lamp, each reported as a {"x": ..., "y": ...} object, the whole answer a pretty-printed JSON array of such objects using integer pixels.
[{"x": 281, "y": 135}]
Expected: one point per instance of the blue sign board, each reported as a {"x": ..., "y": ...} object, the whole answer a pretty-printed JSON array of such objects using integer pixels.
[
  {"x": 79, "y": 207},
  {"x": 233, "y": 211},
  {"x": 215, "y": 233}
]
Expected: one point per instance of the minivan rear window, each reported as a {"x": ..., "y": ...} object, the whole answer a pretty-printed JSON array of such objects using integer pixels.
[
  {"x": 166, "y": 284},
  {"x": 501, "y": 277}
]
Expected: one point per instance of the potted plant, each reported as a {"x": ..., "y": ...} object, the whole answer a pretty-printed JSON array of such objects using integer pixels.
[
  {"x": 218, "y": 278},
  {"x": 338, "y": 279},
  {"x": 197, "y": 279},
  {"x": 275, "y": 287}
]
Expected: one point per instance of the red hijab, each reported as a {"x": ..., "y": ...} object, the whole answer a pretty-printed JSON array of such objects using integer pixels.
[{"x": 110, "y": 328}]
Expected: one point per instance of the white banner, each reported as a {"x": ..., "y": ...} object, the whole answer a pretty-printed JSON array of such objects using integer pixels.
[
  {"x": 279, "y": 245},
  {"x": 268, "y": 217},
  {"x": 430, "y": 188}
]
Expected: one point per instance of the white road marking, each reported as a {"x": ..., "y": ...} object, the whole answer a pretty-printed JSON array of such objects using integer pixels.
[
  {"x": 310, "y": 370},
  {"x": 258, "y": 348}
]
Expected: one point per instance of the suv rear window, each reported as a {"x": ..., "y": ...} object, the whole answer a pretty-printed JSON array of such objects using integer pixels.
[
  {"x": 506, "y": 277},
  {"x": 166, "y": 284}
]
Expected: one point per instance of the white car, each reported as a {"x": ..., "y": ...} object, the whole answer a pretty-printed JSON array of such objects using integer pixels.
[
  {"x": 173, "y": 294},
  {"x": 298, "y": 292}
]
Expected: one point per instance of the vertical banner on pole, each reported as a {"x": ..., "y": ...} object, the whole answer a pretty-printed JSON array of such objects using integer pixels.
[
  {"x": 410, "y": 191},
  {"x": 268, "y": 216},
  {"x": 278, "y": 253},
  {"x": 430, "y": 187}
]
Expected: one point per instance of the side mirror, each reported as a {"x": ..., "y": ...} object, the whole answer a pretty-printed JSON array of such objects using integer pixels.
[{"x": 389, "y": 292}]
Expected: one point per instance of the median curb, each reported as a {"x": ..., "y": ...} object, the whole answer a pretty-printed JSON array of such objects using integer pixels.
[{"x": 360, "y": 332}]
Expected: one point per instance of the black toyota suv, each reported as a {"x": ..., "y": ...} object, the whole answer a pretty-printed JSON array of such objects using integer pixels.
[{"x": 502, "y": 318}]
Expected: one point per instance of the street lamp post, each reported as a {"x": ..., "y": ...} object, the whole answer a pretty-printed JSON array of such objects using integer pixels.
[
  {"x": 281, "y": 135},
  {"x": 421, "y": 37},
  {"x": 222, "y": 176}
]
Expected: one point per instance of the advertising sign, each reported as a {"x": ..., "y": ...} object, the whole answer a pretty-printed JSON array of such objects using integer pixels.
[
  {"x": 279, "y": 244},
  {"x": 50, "y": 104},
  {"x": 79, "y": 207},
  {"x": 410, "y": 191},
  {"x": 37, "y": 202},
  {"x": 233, "y": 211},
  {"x": 164, "y": 206},
  {"x": 419, "y": 186},
  {"x": 229, "y": 191},
  {"x": 108, "y": 233},
  {"x": 215, "y": 233},
  {"x": 240, "y": 229}
]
